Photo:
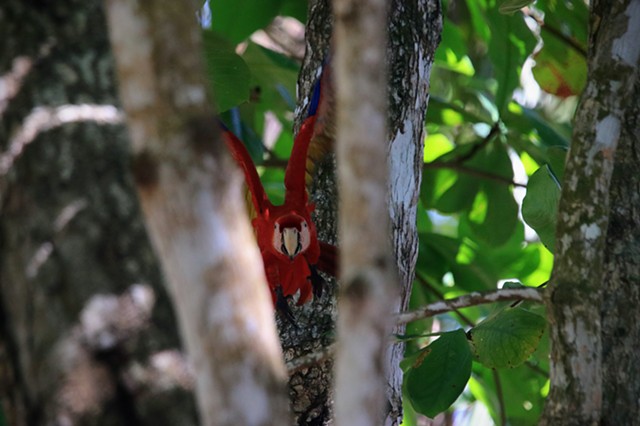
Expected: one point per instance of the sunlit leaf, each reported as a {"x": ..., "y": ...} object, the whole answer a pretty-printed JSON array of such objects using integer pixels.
[
  {"x": 508, "y": 338},
  {"x": 438, "y": 374}
]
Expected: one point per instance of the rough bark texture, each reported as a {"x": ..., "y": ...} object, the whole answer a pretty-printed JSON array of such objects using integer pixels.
[
  {"x": 368, "y": 279},
  {"x": 621, "y": 283},
  {"x": 191, "y": 198},
  {"x": 87, "y": 332},
  {"x": 592, "y": 360},
  {"x": 414, "y": 33}
]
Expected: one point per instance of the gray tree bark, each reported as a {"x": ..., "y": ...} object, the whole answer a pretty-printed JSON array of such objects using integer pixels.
[
  {"x": 87, "y": 331},
  {"x": 191, "y": 197},
  {"x": 414, "y": 33},
  {"x": 593, "y": 300}
]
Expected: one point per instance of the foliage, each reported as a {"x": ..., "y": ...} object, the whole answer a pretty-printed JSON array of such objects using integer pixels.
[{"x": 488, "y": 136}]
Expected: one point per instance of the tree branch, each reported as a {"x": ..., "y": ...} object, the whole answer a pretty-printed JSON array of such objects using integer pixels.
[
  {"x": 310, "y": 359},
  {"x": 471, "y": 299},
  {"x": 556, "y": 33},
  {"x": 475, "y": 148},
  {"x": 457, "y": 163},
  {"x": 425, "y": 282}
]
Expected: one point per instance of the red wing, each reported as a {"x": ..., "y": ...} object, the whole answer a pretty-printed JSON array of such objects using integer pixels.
[
  {"x": 314, "y": 140},
  {"x": 294, "y": 178},
  {"x": 242, "y": 157},
  {"x": 324, "y": 130}
]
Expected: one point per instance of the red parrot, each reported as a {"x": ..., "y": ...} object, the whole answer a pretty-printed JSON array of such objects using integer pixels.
[{"x": 286, "y": 234}]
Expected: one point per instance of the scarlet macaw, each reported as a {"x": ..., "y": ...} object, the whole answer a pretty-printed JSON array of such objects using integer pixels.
[{"x": 286, "y": 234}]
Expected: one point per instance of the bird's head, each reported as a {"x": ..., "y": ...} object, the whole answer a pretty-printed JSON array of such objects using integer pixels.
[{"x": 291, "y": 235}]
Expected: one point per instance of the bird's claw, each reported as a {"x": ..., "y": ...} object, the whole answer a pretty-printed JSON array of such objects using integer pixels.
[
  {"x": 317, "y": 282},
  {"x": 282, "y": 307}
]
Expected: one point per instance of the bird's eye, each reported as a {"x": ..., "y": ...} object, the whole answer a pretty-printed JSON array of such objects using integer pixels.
[{"x": 304, "y": 224}]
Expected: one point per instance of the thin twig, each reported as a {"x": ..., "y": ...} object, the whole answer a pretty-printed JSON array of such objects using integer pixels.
[
  {"x": 468, "y": 300},
  {"x": 274, "y": 162},
  {"x": 475, "y": 148},
  {"x": 458, "y": 162},
  {"x": 536, "y": 369},
  {"x": 425, "y": 282},
  {"x": 471, "y": 299},
  {"x": 571, "y": 42}
]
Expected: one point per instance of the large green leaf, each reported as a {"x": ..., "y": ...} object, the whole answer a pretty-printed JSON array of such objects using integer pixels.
[
  {"x": 540, "y": 205},
  {"x": 560, "y": 69},
  {"x": 511, "y": 43},
  {"x": 437, "y": 375},
  {"x": 494, "y": 215},
  {"x": 508, "y": 338},
  {"x": 238, "y": 19},
  {"x": 228, "y": 73}
]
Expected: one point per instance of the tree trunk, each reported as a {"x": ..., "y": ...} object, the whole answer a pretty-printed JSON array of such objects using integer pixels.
[
  {"x": 191, "y": 197},
  {"x": 368, "y": 280},
  {"x": 414, "y": 33},
  {"x": 87, "y": 332},
  {"x": 594, "y": 379},
  {"x": 621, "y": 282}
]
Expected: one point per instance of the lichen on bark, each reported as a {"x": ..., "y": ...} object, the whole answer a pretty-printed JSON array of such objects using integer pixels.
[{"x": 591, "y": 276}]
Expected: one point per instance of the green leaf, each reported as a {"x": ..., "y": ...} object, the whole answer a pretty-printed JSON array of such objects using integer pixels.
[
  {"x": 549, "y": 135},
  {"x": 540, "y": 205},
  {"x": 275, "y": 78},
  {"x": 228, "y": 73},
  {"x": 511, "y": 43},
  {"x": 238, "y": 19},
  {"x": 295, "y": 8},
  {"x": 509, "y": 7},
  {"x": 477, "y": 19},
  {"x": 557, "y": 155},
  {"x": 568, "y": 17},
  {"x": 508, "y": 338},
  {"x": 494, "y": 216},
  {"x": 560, "y": 70},
  {"x": 439, "y": 373}
]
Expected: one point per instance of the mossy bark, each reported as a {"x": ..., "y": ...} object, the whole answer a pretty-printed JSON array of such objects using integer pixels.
[
  {"x": 594, "y": 293},
  {"x": 71, "y": 232}
]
